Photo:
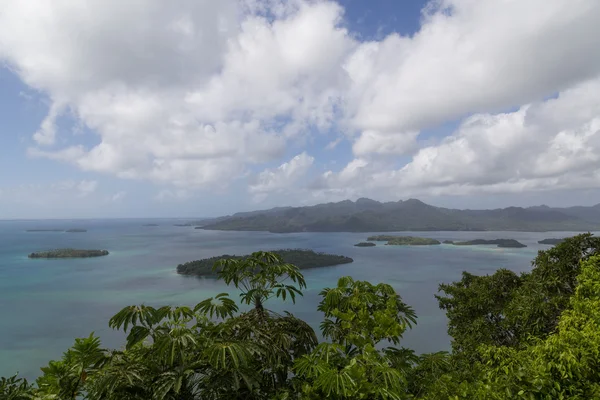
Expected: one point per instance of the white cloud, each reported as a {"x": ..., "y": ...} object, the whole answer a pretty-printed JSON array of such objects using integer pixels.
[
  {"x": 118, "y": 196},
  {"x": 333, "y": 144},
  {"x": 548, "y": 145},
  {"x": 283, "y": 178},
  {"x": 167, "y": 195},
  {"x": 193, "y": 93},
  {"x": 378, "y": 143}
]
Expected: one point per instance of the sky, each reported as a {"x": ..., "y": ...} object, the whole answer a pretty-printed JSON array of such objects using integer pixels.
[{"x": 199, "y": 108}]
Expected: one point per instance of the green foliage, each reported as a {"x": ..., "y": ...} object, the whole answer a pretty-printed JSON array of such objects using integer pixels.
[
  {"x": 15, "y": 388},
  {"x": 475, "y": 307},
  {"x": 358, "y": 316},
  {"x": 303, "y": 259}
]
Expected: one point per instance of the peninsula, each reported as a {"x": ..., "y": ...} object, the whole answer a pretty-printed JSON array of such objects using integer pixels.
[
  {"x": 505, "y": 243},
  {"x": 404, "y": 240},
  {"x": 303, "y": 259},
  {"x": 69, "y": 253}
]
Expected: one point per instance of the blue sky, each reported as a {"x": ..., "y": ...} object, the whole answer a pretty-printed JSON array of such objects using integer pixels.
[{"x": 164, "y": 112}]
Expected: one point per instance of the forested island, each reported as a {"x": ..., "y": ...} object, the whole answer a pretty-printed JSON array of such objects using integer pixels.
[
  {"x": 69, "y": 253},
  {"x": 551, "y": 241},
  {"x": 506, "y": 243},
  {"x": 303, "y": 259},
  {"x": 403, "y": 240},
  {"x": 77, "y": 230},
  {"x": 365, "y": 244}
]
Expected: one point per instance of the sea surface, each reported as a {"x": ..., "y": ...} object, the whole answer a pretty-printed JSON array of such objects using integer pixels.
[{"x": 45, "y": 304}]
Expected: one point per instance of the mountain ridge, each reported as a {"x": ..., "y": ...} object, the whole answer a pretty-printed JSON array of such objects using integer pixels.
[{"x": 366, "y": 215}]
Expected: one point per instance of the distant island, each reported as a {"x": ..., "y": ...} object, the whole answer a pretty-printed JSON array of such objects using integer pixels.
[
  {"x": 150, "y": 225},
  {"x": 303, "y": 259},
  {"x": 551, "y": 241},
  {"x": 188, "y": 224},
  {"x": 404, "y": 240},
  {"x": 58, "y": 230},
  {"x": 499, "y": 242},
  {"x": 366, "y": 215},
  {"x": 365, "y": 244},
  {"x": 69, "y": 253}
]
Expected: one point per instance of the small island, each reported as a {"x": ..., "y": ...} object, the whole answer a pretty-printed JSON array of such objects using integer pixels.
[
  {"x": 76, "y": 230},
  {"x": 403, "y": 240},
  {"x": 365, "y": 244},
  {"x": 504, "y": 243},
  {"x": 69, "y": 253},
  {"x": 551, "y": 241},
  {"x": 303, "y": 259},
  {"x": 150, "y": 225},
  {"x": 188, "y": 224}
]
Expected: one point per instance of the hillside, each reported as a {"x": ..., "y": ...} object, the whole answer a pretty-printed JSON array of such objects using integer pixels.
[{"x": 366, "y": 215}]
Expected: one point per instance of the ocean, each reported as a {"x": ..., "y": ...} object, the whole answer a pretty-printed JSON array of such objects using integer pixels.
[{"x": 45, "y": 304}]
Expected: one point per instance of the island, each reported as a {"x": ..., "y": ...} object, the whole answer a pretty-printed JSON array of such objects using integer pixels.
[
  {"x": 365, "y": 244},
  {"x": 551, "y": 241},
  {"x": 76, "y": 230},
  {"x": 188, "y": 224},
  {"x": 403, "y": 240},
  {"x": 150, "y": 225},
  {"x": 303, "y": 259},
  {"x": 505, "y": 243},
  {"x": 69, "y": 253}
]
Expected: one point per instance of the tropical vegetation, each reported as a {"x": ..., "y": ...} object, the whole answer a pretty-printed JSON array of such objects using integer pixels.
[{"x": 530, "y": 336}]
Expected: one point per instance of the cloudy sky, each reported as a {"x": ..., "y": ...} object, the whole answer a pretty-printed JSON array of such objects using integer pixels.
[{"x": 112, "y": 108}]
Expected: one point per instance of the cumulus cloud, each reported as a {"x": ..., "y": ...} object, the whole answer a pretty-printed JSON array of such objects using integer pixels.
[
  {"x": 547, "y": 145},
  {"x": 283, "y": 178},
  {"x": 196, "y": 93},
  {"x": 167, "y": 195}
]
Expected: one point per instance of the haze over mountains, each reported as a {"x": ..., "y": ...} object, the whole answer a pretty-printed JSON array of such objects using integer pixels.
[{"x": 366, "y": 215}]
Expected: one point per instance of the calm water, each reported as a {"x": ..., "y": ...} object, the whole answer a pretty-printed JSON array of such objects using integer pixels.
[{"x": 44, "y": 304}]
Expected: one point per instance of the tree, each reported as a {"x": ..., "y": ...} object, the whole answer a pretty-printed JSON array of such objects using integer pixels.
[{"x": 359, "y": 317}]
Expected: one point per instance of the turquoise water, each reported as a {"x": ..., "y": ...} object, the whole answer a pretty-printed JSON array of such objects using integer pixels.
[{"x": 44, "y": 304}]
